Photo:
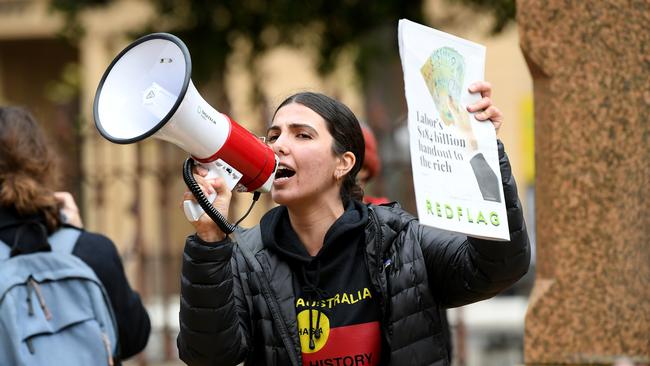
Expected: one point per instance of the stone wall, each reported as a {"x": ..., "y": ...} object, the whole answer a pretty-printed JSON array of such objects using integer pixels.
[{"x": 590, "y": 62}]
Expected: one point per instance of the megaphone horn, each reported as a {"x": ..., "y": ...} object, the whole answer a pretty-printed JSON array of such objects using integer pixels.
[{"x": 147, "y": 91}]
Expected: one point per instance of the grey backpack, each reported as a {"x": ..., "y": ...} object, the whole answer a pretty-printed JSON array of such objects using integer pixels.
[{"x": 53, "y": 308}]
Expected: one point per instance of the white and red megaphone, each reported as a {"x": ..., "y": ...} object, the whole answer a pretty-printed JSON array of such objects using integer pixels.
[{"x": 147, "y": 91}]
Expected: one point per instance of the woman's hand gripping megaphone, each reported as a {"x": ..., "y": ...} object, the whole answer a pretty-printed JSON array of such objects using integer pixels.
[
  {"x": 218, "y": 190},
  {"x": 215, "y": 169}
]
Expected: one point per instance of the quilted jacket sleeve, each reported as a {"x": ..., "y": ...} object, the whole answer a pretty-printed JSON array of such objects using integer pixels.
[
  {"x": 463, "y": 269},
  {"x": 213, "y": 328}
]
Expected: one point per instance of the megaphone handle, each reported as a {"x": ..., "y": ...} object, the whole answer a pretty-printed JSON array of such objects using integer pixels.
[{"x": 194, "y": 210}]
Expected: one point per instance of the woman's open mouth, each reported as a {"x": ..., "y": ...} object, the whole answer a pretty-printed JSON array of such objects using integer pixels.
[{"x": 284, "y": 173}]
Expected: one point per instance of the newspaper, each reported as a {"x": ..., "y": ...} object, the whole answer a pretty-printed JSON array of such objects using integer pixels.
[{"x": 454, "y": 156}]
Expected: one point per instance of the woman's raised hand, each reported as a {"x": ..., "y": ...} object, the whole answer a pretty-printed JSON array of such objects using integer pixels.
[{"x": 486, "y": 110}]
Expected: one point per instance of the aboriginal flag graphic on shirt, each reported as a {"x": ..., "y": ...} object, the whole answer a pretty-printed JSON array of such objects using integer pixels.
[
  {"x": 347, "y": 333},
  {"x": 337, "y": 307}
]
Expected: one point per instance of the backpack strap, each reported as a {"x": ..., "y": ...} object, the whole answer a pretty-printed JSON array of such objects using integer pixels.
[
  {"x": 5, "y": 249},
  {"x": 64, "y": 239}
]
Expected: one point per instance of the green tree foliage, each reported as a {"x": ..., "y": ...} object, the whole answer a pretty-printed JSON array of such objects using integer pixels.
[
  {"x": 70, "y": 10},
  {"x": 211, "y": 28},
  {"x": 503, "y": 11}
]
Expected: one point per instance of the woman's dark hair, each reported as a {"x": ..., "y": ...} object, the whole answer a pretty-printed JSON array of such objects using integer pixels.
[
  {"x": 344, "y": 127},
  {"x": 28, "y": 167}
]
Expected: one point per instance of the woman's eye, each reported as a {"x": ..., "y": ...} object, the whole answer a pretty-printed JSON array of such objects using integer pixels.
[
  {"x": 303, "y": 136},
  {"x": 271, "y": 139}
]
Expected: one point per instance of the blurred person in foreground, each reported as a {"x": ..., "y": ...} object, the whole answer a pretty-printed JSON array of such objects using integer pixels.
[
  {"x": 28, "y": 171},
  {"x": 371, "y": 166},
  {"x": 325, "y": 279}
]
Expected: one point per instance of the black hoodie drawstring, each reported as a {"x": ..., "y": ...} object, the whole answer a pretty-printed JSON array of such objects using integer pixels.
[
  {"x": 311, "y": 289},
  {"x": 279, "y": 236}
]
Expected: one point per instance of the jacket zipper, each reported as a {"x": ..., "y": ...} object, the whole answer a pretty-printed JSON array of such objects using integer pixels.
[
  {"x": 30, "y": 302},
  {"x": 383, "y": 271},
  {"x": 39, "y": 295},
  {"x": 107, "y": 344},
  {"x": 275, "y": 312},
  {"x": 32, "y": 286}
]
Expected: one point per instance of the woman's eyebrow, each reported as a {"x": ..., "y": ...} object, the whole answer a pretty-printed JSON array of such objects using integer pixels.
[
  {"x": 303, "y": 126},
  {"x": 294, "y": 126}
]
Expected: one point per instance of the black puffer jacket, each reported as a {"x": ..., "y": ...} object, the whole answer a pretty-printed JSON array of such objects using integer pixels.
[{"x": 237, "y": 302}]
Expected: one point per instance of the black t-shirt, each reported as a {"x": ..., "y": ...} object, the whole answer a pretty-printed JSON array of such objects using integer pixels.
[{"x": 336, "y": 305}]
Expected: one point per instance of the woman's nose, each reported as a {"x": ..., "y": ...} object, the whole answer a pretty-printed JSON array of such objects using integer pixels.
[{"x": 279, "y": 146}]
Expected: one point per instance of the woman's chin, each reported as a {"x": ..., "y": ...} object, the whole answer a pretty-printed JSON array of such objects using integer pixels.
[
  {"x": 281, "y": 198},
  {"x": 285, "y": 198}
]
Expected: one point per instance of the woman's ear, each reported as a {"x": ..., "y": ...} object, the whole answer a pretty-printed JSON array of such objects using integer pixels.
[{"x": 345, "y": 164}]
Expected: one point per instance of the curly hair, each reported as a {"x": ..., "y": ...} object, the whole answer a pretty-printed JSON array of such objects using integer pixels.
[{"x": 28, "y": 167}]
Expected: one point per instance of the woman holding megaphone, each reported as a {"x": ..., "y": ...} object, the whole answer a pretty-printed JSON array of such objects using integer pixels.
[{"x": 325, "y": 279}]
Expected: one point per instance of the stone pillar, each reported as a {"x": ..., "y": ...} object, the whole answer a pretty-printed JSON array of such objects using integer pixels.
[{"x": 590, "y": 62}]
